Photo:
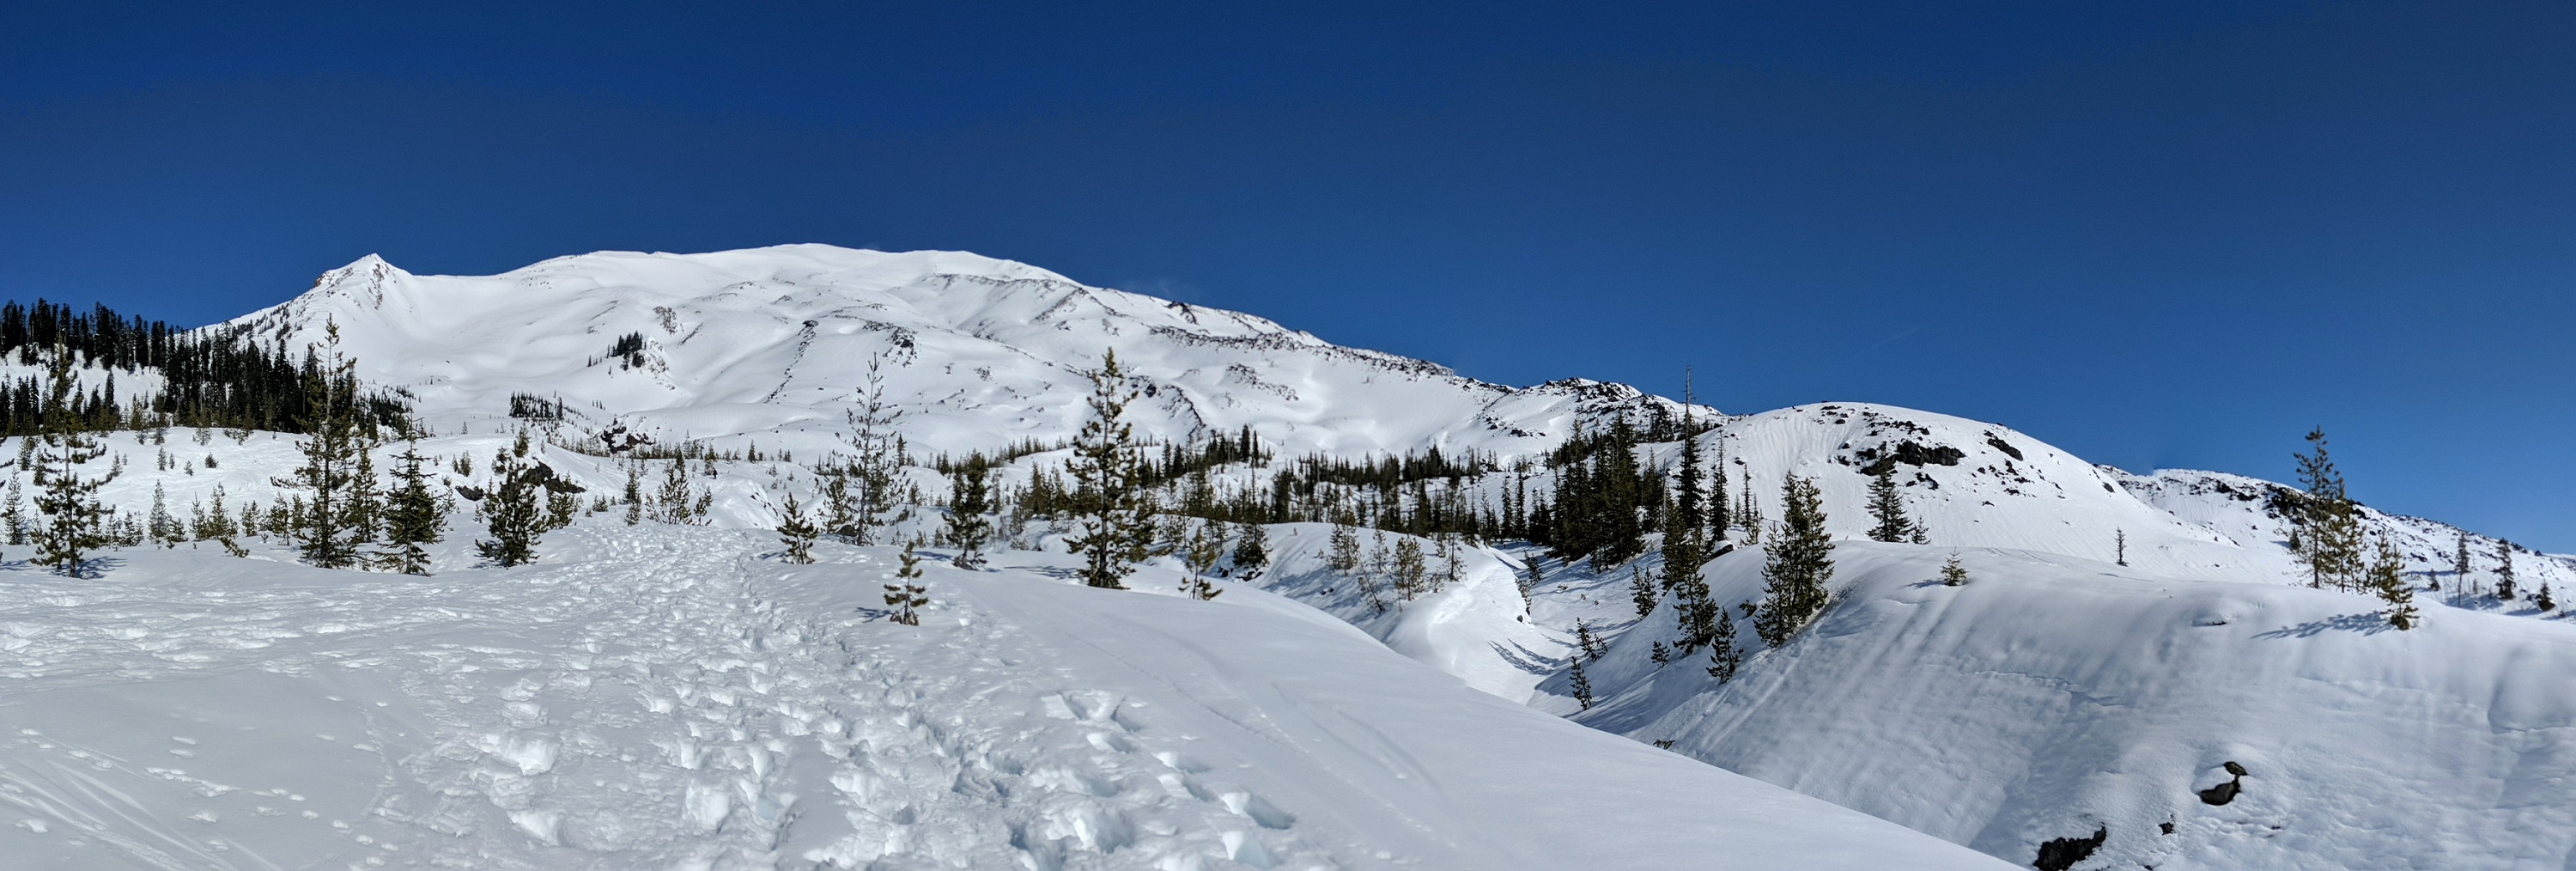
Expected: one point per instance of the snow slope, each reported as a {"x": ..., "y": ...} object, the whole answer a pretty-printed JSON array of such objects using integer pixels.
[
  {"x": 669, "y": 697},
  {"x": 2057, "y": 695},
  {"x": 2248, "y": 511},
  {"x": 2052, "y": 697},
  {"x": 775, "y": 342}
]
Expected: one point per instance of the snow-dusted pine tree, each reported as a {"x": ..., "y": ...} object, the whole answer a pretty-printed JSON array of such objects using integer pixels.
[
  {"x": 2504, "y": 570},
  {"x": 1342, "y": 549},
  {"x": 907, "y": 594},
  {"x": 1200, "y": 555},
  {"x": 796, "y": 532},
  {"x": 333, "y": 525},
  {"x": 1796, "y": 567},
  {"x": 513, "y": 509},
  {"x": 415, "y": 516},
  {"x": 1886, "y": 505},
  {"x": 75, "y": 523},
  {"x": 1251, "y": 551},
  {"x": 2328, "y": 540},
  {"x": 2460, "y": 566},
  {"x": 1642, "y": 591},
  {"x": 634, "y": 496},
  {"x": 1115, "y": 518},
  {"x": 13, "y": 515},
  {"x": 970, "y": 499},
  {"x": 1723, "y": 658},
  {"x": 1408, "y": 567},
  {"x": 878, "y": 450},
  {"x": 2387, "y": 578}
]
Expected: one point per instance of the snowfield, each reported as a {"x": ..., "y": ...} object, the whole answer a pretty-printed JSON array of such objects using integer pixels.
[
  {"x": 676, "y": 696},
  {"x": 671, "y": 697},
  {"x": 2053, "y": 697}
]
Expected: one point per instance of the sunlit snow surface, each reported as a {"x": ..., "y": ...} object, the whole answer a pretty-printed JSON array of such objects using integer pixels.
[
  {"x": 674, "y": 697},
  {"x": 671, "y": 697}
]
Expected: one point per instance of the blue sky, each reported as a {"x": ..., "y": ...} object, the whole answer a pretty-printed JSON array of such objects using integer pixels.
[{"x": 2166, "y": 235}]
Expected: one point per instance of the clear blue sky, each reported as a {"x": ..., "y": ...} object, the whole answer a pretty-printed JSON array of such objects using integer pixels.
[{"x": 2161, "y": 235}]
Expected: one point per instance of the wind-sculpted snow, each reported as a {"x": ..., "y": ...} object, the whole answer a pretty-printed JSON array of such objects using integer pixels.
[
  {"x": 2050, "y": 697},
  {"x": 667, "y": 697}
]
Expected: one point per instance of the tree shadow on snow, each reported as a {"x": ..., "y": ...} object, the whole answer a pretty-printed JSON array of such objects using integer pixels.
[
  {"x": 2366, "y": 623},
  {"x": 1526, "y": 659},
  {"x": 94, "y": 567}
]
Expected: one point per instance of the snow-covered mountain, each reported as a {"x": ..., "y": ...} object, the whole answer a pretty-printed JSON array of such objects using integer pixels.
[
  {"x": 672, "y": 696},
  {"x": 773, "y": 345}
]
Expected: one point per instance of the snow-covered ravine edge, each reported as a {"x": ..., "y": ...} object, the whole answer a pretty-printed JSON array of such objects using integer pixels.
[
  {"x": 2056, "y": 698},
  {"x": 675, "y": 697}
]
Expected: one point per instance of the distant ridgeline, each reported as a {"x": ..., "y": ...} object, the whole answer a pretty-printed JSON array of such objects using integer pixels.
[{"x": 211, "y": 377}]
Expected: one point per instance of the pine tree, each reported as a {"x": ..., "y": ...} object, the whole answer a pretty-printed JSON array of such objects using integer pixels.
[
  {"x": 1642, "y": 591},
  {"x": 2329, "y": 536},
  {"x": 2460, "y": 567},
  {"x": 796, "y": 532},
  {"x": 513, "y": 509},
  {"x": 674, "y": 502},
  {"x": 1581, "y": 684},
  {"x": 1409, "y": 568},
  {"x": 879, "y": 453},
  {"x": 1342, "y": 549},
  {"x": 366, "y": 495},
  {"x": 840, "y": 506},
  {"x": 1887, "y": 506},
  {"x": 907, "y": 594},
  {"x": 2120, "y": 546},
  {"x": 1681, "y": 558},
  {"x": 335, "y": 473},
  {"x": 75, "y": 523},
  {"x": 1200, "y": 555},
  {"x": 970, "y": 498},
  {"x": 163, "y": 528},
  {"x": 1115, "y": 511},
  {"x": 1380, "y": 561},
  {"x": 1530, "y": 582},
  {"x": 562, "y": 507},
  {"x": 1954, "y": 574},
  {"x": 634, "y": 496},
  {"x": 2387, "y": 577},
  {"x": 1586, "y": 642},
  {"x": 1451, "y": 567},
  {"x": 415, "y": 516},
  {"x": 1687, "y": 516},
  {"x": 1251, "y": 551},
  {"x": 1723, "y": 659},
  {"x": 2504, "y": 570},
  {"x": 1748, "y": 513},
  {"x": 2544, "y": 601},
  {"x": 14, "y": 516},
  {"x": 1795, "y": 569},
  {"x": 1718, "y": 521}
]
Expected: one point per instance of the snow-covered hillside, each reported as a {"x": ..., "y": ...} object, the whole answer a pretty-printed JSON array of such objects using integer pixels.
[
  {"x": 2050, "y": 698},
  {"x": 773, "y": 345},
  {"x": 666, "y": 695},
  {"x": 671, "y": 697}
]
